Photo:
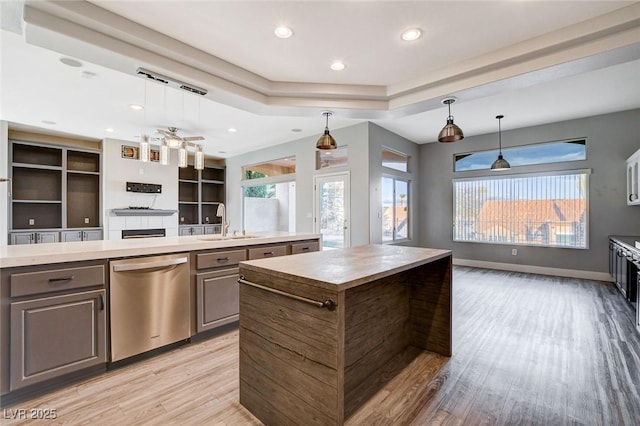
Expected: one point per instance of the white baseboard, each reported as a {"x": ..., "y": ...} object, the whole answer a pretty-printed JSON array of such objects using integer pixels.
[{"x": 542, "y": 270}]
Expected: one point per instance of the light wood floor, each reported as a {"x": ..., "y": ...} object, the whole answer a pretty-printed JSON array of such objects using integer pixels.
[{"x": 528, "y": 349}]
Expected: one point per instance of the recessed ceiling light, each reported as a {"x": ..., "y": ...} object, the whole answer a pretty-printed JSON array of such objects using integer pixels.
[
  {"x": 48, "y": 122},
  {"x": 411, "y": 34},
  {"x": 232, "y": 130},
  {"x": 109, "y": 130},
  {"x": 296, "y": 130},
  {"x": 71, "y": 62},
  {"x": 337, "y": 66},
  {"x": 136, "y": 107},
  {"x": 283, "y": 32},
  {"x": 88, "y": 74}
]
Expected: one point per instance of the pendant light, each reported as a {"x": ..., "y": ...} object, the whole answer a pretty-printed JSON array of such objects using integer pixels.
[
  {"x": 450, "y": 132},
  {"x": 199, "y": 160},
  {"x": 145, "y": 148},
  {"x": 326, "y": 141},
  {"x": 500, "y": 164},
  {"x": 182, "y": 155},
  {"x": 164, "y": 152}
]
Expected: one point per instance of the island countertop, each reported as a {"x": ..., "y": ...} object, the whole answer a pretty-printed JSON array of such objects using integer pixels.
[
  {"x": 39, "y": 254},
  {"x": 350, "y": 267}
]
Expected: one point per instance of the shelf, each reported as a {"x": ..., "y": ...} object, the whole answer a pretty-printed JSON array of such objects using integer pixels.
[
  {"x": 35, "y": 166},
  {"x": 199, "y": 195},
  {"x": 213, "y": 173},
  {"x": 187, "y": 173},
  {"x": 37, "y": 201},
  {"x": 82, "y": 161},
  {"x": 37, "y": 184},
  {"x": 187, "y": 181},
  {"x": 143, "y": 212},
  {"x": 44, "y": 215},
  {"x": 78, "y": 172},
  {"x": 214, "y": 182},
  {"x": 83, "y": 200},
  {"x": 36, "y": 155},
  {"x": 188, "y": 202}
]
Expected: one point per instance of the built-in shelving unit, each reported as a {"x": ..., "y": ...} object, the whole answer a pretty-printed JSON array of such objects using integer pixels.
[
  {"x": 54, "y": 189},
  {"x": 200, "y": 192}
]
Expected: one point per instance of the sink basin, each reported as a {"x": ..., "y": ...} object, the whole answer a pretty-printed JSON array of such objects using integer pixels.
[{"x": 227, "y": 237}]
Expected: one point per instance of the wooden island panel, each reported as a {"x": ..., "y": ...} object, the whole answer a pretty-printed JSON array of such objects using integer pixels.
[{"x": 301, "y": 364}]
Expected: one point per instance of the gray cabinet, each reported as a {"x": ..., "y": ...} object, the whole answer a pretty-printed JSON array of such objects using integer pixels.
[
  {"x": 200, "y": 193},
  {"x": 81, "y": 235},
  {"x": 191, "y": 230},
  {"x": 53, "y": 322},
  {"x": 53, "y": 187},
  {"x": 34, "y": 237},
  {"x": 56, "y": 335},
  {"x": 218, "y": 298}
]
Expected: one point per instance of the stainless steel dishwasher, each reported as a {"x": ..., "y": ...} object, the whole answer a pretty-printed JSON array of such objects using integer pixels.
[{"x": 149, "y": 303}]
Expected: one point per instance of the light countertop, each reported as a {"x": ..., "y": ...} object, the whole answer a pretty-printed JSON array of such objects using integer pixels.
[
  {"x": 39, "y": 254},
  {"x": 348, "y": 267}
]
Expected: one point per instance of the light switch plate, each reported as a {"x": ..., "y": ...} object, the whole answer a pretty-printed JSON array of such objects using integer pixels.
[{"x": 32, "y": 221}]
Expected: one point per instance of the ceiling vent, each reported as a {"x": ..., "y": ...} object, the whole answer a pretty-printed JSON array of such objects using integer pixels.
[{"x": 151, "y": 75}]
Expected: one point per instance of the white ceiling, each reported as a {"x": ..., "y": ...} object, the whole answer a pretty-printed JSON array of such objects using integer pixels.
[{"x": 534, "y": 62}]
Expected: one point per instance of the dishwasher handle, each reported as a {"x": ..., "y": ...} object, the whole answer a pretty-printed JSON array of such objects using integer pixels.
[{"x": 150, "y": 265}]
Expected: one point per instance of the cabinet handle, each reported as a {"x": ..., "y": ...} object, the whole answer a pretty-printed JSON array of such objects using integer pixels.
[
  {"x": 223, "y": 259},
  {"x": 57, "y": 280},
  {"x": 633, "y": 197},
  {"x": 101, "y": 302},
  {"x": 267, "y": 253},
  {"x": 305, "y": 248}
]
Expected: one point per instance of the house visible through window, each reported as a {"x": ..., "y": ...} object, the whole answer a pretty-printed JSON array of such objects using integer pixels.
[
  {"x": 548, "y": 209},
  {"x": 395, "y": 209}
]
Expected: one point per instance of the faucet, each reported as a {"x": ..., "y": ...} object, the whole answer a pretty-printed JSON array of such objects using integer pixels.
[{"x": 222, "y": 213}]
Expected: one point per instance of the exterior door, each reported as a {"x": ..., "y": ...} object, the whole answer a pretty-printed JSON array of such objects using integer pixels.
[{"x": 332, "y": 213}]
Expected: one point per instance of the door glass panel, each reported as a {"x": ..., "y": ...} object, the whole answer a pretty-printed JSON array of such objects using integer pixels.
[
  {"x": 401, "y": 209},
  {"x": 332, "y": 213}
]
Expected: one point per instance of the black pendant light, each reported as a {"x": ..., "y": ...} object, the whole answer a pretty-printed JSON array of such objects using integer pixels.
[
  {"x": 450, "y": 132},
  {"x": 326, "y": 141},
  {"x": 500, "y": 164}
]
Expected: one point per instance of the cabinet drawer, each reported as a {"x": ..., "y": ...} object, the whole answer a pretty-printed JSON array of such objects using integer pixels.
[
  {"x": 217, "y": 298},
  {"x": 24, "y": 284},
  {"x": 268, "y": 251},
  {"x": 304, "y": 247},
  {"x": 220, "y": 258}
]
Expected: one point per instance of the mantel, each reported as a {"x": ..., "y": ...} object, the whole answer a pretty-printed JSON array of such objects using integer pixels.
[{"x": 143, "y": 212}]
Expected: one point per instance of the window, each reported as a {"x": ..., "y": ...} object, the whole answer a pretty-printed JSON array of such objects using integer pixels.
[
  {"x": 282, "y": 166},
  {"x": 547, "y": 209},
  {"x": 327, "y": 158},
  {"x": 395, "y": 209},
  {"x": 270, "y": 207},
  {"x": 526, "y": 155},
  {"x": 395, "y": 160}
]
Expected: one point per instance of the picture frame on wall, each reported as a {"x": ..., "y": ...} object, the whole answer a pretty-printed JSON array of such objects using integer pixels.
[
  {"x": 154, "y": 155},
  {"x": 131, "y": 152}
]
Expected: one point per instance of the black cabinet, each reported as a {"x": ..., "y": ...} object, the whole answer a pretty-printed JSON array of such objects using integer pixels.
[{"x": 624, "y": 262}]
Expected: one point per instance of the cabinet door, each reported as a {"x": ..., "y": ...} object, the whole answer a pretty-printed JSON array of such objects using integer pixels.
[
  {"x": 53, "y": 336},
  {"x": 23, "y": 238},
  {"x": 197, "y": 230},
  {"x": 92, "y": 235},
  {"x": 70, "y": 236},
  {"x": 212, "y": 229},
  {"x": 217, "y": 298},
  {"x": 47, "y": 237},
  {"x": 184, "y": 231}
]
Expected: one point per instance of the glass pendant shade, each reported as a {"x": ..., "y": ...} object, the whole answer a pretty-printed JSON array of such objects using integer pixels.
[
  {"x": 199, "y": 161},
  {"x": 182, "y": 156},
  {"x": 145, "y": 148},
  {"x": 326, "y": 141},
  {"x": 450, "y": 132},
  {"x": 500, "y": 164},
  {"x": 164, "y": 153}
]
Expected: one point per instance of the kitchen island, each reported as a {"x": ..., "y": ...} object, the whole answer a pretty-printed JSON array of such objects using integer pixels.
[{"x": 314, "y": 333}]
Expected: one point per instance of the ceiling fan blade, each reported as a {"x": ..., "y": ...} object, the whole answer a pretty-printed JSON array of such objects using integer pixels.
[
  {"x": 193, "y": 138},
  {"x": 164, "y": 132}
]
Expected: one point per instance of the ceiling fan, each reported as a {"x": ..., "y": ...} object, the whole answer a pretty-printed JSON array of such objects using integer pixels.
[{"x": 172, "y": 138}]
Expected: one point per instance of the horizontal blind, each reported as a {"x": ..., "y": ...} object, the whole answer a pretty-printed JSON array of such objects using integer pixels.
[{"x": 539, "y": 210}]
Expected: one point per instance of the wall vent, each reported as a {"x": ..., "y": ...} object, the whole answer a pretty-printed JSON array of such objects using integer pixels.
[{"x": 152, "y": 75}]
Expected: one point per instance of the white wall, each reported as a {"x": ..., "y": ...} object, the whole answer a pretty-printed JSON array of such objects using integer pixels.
[
  {"x": 4, "y": 187},
  {"x": 118, "y": 171},
  {"x": 355, "y": 137}
]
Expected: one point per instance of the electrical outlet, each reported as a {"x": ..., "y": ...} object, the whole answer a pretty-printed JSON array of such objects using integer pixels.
[
  {"x": 514, "y": 252},
  {"x": 206, "y": 219},
  {"x": 182, "y": 219},
  {"x": 32, "y": 221},
  {"x": 86, "y": 220}
]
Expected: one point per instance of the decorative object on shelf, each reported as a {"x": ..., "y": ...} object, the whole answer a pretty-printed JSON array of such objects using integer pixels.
[
  {"x": 129, "y": 152},
  {"x": 500, "y": 164},
  {"x": 326, "y": 141},
  {"x": 450, "y": 132}
]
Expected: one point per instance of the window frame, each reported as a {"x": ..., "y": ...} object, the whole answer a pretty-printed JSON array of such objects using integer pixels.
[
  {"x": 587, "y": 232},
  {"x": 396, "y": 152}
]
